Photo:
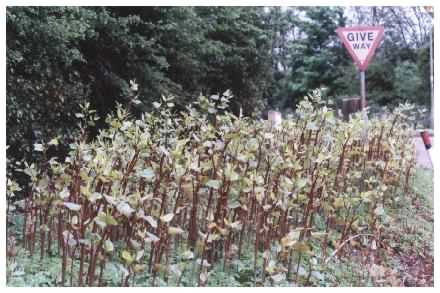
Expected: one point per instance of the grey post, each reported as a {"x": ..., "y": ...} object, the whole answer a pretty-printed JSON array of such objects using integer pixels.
[
  {"x": 363, "y": 104},
  {"x": 362, "y": 76}
]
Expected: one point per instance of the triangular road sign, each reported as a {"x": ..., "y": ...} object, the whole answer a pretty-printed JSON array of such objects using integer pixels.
[{"x": 361, "y": 42}]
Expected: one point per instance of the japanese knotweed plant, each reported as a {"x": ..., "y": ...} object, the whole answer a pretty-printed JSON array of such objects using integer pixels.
[{"x": 174, "y": 194}]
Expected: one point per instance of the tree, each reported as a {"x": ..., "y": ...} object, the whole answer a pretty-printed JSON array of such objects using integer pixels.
[
  {"x": 317, "y": 57},
  {"x": 44, "y": 83},
  {"x": 236, "y": 54},
  {"x": 60, "y": 57}
]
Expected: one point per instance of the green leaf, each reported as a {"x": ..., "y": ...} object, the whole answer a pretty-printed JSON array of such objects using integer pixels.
[
  {"x": 231, "y": 174},
  {"x": 95, "y": 196},
  {"x": 64, "y": 193},
  {"x": 108, "y": 246},
  {"x": 233, "y": 205},
  {"x": 300, "y": 183},
  {"x": 213, "y": 237},
  {"x": 109, "y": 220},
  {"x": 38, "y": 147},
  {"x": 215, "y": 184},
  {"x": 139, "y": 255},
  {"x": 53, "y": 141},
  {"x": 102, "y": 220},
  {"x": 188, "y": 254},
  {"x": 137, "y": 268},
  {"x": 127, "y": 257},
  {"x": 151, "y": 237},
  {"x": 125, "y": 209},
  {"x": 339, "y": 202},
  {"x": 151, "y": 221},
  {"x": 167, "y": 218},
  {"x": 111, "y": 200},
  {"x": 175, "y": 230},
  {"x": 72, "y": 206},
  {"x": 147, "y": 174}
]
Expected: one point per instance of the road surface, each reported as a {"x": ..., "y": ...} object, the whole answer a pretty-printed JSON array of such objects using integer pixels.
[{"x": 423, "y": 156}]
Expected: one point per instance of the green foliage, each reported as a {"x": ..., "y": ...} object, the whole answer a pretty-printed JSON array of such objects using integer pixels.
[
  {"x": 43, "y": 80},
  {"x": 178, "y": 197},
  {"x": 60, "y": 57},
  {"x": 407, "y": 81},
  {"x": 313, "y": 58}
]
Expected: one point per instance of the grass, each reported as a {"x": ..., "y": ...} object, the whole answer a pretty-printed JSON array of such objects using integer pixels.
[{"x": 407, "y": 256}]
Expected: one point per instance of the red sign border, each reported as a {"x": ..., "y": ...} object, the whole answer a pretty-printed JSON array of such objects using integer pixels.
[{"x": 361, "y": 66}]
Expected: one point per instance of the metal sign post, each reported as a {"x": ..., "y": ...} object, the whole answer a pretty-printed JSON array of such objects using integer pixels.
[
  {"x": 361, "y": 42},
  {"x": 363, "y": 94}
]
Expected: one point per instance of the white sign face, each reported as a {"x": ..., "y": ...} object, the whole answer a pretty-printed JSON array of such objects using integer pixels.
[{"x": 361, "y": 42}]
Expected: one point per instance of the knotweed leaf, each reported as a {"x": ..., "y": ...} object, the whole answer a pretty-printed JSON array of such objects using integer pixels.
[
  {"x": 72, "y": 206},
  {"x": 167, "y": 218}
]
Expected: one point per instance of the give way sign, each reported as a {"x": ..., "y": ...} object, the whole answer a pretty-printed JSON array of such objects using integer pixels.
[{"x": 361, "y": 42}]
